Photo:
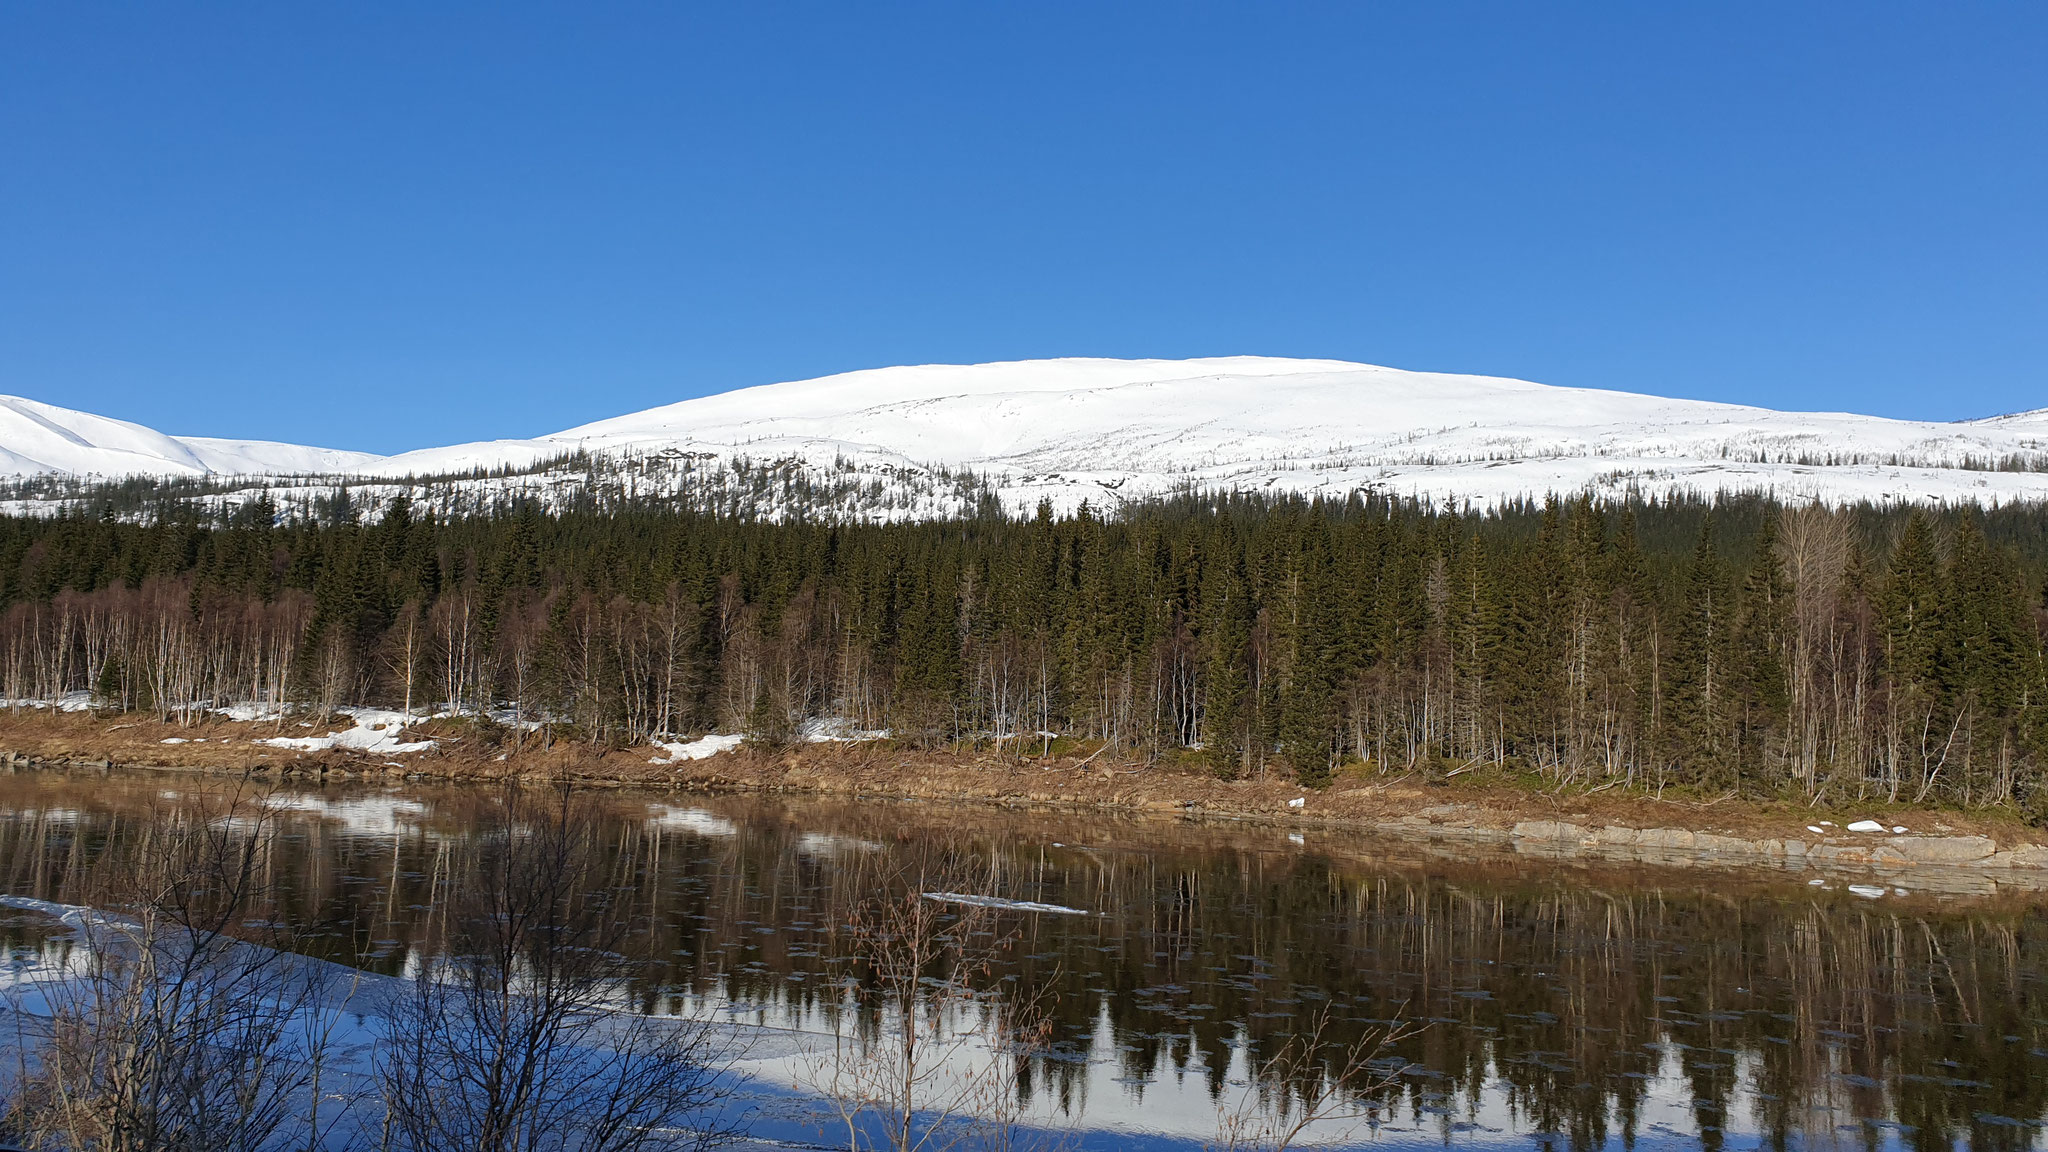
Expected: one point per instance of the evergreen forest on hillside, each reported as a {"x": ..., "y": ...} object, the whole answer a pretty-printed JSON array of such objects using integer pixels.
[{"x": 1741, "y": 646}]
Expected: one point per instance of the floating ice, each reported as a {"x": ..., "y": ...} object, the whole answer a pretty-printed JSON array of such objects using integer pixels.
[{"x": 972, "y": 900}]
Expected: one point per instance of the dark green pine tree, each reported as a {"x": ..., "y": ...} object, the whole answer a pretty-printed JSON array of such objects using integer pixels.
[
  {"x": 1226, "y": 640},
  {"x": 1696, "y": 682},
  {"x": 1985, "y": 663},
  {"x": 1307, "y": 714},
  {"x": 1758, "y": 694}
]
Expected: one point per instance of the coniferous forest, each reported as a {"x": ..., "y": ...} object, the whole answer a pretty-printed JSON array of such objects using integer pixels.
[{"x": 1741, "y": 646}]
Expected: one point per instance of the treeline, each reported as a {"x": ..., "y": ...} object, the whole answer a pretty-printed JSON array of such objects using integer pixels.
[{"x": 1743, "y": 646}]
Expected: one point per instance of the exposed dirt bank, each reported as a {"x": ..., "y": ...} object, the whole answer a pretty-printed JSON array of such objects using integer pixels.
[{"x": 1994, "y": 849}]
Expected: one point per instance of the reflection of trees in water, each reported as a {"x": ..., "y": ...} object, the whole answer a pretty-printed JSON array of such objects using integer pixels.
[{"x": 1562, "y": 999}]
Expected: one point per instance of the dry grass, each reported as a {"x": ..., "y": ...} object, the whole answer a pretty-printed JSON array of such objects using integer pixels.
[{"x": 1358, "y": 799}]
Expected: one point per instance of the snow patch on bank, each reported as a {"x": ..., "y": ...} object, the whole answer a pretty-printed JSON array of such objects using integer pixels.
[
  {"x": 68, "y": 702},
  {"x": 838, "y": 730},
  {"x": 698, "y": 749},
  {"x": 375, "y": 730}
]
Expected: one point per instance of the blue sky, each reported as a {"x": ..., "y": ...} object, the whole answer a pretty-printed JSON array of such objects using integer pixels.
[{"x": 388, "y": 226}]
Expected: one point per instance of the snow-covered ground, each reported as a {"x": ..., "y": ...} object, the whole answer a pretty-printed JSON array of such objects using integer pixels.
[
  {"x": 1110, "y": 430},
  {"x": 371, "y": 730},
  {"x": 36, "y": 437},
  {"x": 698, "y": 749},
  {"x": 68, "y": 702}
]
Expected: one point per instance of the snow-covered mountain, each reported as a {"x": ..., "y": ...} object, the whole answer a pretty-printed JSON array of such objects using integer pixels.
[
  {"x": 1110, "y": 430},
  {"x": 43, "y": 438}
]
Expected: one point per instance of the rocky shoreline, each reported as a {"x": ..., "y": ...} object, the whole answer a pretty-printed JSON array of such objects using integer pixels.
[{"x": 1987, "y": 857}]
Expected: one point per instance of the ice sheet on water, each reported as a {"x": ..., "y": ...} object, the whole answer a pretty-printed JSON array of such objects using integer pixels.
[{"x": 976, "y": 901}]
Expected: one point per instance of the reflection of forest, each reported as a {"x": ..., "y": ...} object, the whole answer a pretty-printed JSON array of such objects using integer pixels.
[{"x": 1559, "y": 996}]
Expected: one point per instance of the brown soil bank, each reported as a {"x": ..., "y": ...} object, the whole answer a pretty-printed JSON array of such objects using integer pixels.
[{"x": 1611, "y": 825}]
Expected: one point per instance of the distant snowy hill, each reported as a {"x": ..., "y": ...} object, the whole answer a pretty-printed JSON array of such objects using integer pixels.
[
  {"x": 43, "y": 438},
  {"x": 1111, "y": 430}
]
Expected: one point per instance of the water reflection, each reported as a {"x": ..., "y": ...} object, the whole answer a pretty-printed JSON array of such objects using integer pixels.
[{"x": 1584, "y": 1008}]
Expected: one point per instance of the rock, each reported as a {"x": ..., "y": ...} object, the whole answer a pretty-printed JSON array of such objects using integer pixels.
[
  {"x": 1723, "y": 845},
  {"x": 1614, "y": 835},
  {"x": 1666, "y": 839},
  {"x": 1942, "y": 849},
  {"x": 1472, "y": 833},
  {"x": 1553, "y": 831},
  {"x": 1840, "y": 854},
  {"x": 2024, "y": 856}
]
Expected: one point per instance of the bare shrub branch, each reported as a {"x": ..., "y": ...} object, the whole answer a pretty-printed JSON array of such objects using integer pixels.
[
  {"x": 170, "y": 1034},
  {"x": 522, "y": 1039}
]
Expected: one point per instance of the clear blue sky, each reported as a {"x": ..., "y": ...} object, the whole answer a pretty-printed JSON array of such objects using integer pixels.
[{"x": 388, "y": 226}]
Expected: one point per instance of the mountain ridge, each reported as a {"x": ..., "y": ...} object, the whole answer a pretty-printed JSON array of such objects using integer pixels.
[{"x": 1082, "y": 428}]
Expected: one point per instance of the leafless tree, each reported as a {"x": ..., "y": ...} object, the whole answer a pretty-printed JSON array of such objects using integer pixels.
[
  {"x": 1814, "y": 544},
  {"x": 523, "y": 1038}
]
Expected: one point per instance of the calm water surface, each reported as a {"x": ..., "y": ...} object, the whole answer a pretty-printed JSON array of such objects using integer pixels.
[{"x": 1565, "y": 1007}]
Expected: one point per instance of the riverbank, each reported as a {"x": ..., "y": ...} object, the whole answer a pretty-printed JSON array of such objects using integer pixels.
[{"x": 1476, "y": 810}]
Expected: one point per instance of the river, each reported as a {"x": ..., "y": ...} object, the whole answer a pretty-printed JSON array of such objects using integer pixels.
[{"x": 1548, "y": 1003}]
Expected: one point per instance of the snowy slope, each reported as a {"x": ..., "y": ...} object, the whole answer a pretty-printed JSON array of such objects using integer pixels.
[
  {"x": 1110, "y": 430},
  {"x": 38, "y": 438},
  {"x": 1074, "y": 429}
]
